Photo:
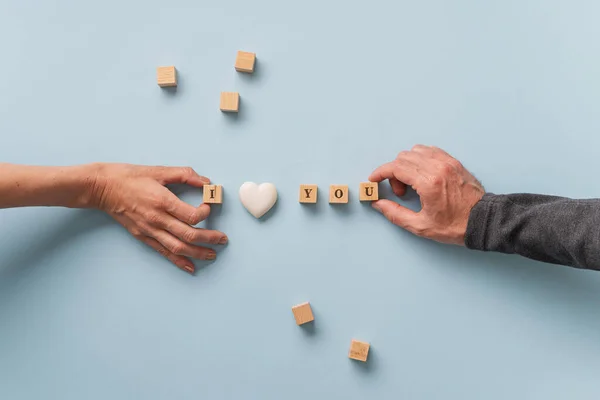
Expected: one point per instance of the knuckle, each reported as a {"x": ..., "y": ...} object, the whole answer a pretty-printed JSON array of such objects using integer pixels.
[
  {"x": 417, "y": 147},
  {"x": 446, "y": 169},
  {"x": 166, "y": 203},
  {"x": 163, "y": 252},
  {"x": 439, "y": 150},
  {"x": 153, "y": 218},
  {"x": 190, "y": 236},
  {"x": 455, "y": 163},
  {"x": 436, "y": 180},
  {"x": 419, "y": 231},
  {"x": 402, "y": 154},
  {"x": 159, "y": 202},
  {"x": 194, "y": 218},
  {"x": 187, "y": 171},
  {"x": 136, "y": 233},
  {"x": 178, "y": 248}
]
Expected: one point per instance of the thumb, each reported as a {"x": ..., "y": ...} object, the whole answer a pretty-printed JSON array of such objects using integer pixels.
[
  {"x": 185, "y": 175},
  {"x": 397, "y": 214}
]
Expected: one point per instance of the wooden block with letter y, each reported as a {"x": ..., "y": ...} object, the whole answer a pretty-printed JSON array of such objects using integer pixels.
[{"x": 308, "y": 193}]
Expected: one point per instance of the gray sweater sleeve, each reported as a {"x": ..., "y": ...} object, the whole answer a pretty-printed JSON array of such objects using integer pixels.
[{"x": 552, "y": 229}]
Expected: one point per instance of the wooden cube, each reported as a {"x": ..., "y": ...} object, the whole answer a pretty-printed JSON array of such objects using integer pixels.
[
  {"x": 213, "y": 194},
  {"x": 369, "y": 191},
  {"x": 230, "y": 101},
  {"x": 166, "y": 76},
  {"x": 245, "y": 62},
  {"x": 359, "y": 350},
  {"x": 303, "y": 313},
  {"x": 308, "y": 193},
  {"x": 338, "y": 194}
]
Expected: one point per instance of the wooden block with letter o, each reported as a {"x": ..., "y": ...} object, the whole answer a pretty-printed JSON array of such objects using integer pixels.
[
  {"x": 308, "y": 193},
  {"x": 369, "y": 191},
  {"x": 359, "y": 350},
  {"x": 303, "y": 313},
  {"x": 213, "y": 194},
  {"x": 166, "y": 76},
  {"x": 338, "y": 194}
]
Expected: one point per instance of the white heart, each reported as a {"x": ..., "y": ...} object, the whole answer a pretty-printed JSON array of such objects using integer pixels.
[{"x": 258, "y": 199}]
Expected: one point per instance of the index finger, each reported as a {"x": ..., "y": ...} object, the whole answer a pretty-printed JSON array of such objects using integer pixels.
[
  {"x": 185, "y": 175},
  {"x": 404, "y": 172}
]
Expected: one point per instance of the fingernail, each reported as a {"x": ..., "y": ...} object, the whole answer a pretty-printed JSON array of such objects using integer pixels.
[
  {"x": 211, "y": 255},
  {"x": 189, "y": 268},
  {"x": 223, "y": 240},
  {"x": 376, "y": 206}
]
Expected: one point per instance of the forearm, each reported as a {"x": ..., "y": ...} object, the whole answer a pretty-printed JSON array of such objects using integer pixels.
[
  {"x": 22, "y": 186},
  {"x": 547, "y": 228}
]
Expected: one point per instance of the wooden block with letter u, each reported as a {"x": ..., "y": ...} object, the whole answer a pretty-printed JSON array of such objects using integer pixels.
[{"x": 369, "y": 191}]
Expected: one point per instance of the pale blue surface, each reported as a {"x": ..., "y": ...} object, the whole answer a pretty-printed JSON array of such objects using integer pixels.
[{"x": 511, "y": 88}]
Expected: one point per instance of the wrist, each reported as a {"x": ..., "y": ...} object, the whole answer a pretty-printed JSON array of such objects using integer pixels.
[
  {"x": 466, "y": 221},
  {"x": 86, "y": 185}
]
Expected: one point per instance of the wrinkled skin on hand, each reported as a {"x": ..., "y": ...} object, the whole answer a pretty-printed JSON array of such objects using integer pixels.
[{"x": 447, "y": 190}]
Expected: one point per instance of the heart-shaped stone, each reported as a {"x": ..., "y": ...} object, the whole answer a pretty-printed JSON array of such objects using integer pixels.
[{"x": 258, "y": 199}]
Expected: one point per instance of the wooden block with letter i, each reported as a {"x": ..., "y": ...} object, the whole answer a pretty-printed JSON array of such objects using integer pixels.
[
  {"x": 166, "y": 76},
  {"x": 308, "y": 193},
  {"x": 245, "y": 62},
  {"x": 338, "y": 194},
  {"x": 213, "y": 194},
  {"x": 303, "y": 313},
  {"x": 369, "y": 191},
  {"x": 230, "y": 101},
  {"x": 359, "y": 350}
]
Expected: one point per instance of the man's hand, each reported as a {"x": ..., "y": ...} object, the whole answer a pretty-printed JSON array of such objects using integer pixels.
[
  {"x": 136, "y": 197},
  {"x": 448, "y": 193}
]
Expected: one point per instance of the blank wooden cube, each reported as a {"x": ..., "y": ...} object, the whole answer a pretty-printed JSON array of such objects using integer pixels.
[
  {"x": 230, "y": 101},
  {"x": 338, "y": 194},
  {"x": 213, "y": 194},
  {"x": 369, "y": 191},
  {"x": 166, "y": 76},
  {"x": 245, "y": 62},
  {"x": 359, "y": 350},
  {"x": 308, "y": 193},
  {"x": 303, "y": 313}
]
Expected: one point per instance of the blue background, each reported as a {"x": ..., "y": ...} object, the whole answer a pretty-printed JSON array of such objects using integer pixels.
[{"x": 511, "y": 88}]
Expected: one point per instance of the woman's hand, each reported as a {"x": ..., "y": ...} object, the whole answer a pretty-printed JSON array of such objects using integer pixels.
[{"x": 137, "y": 198}]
